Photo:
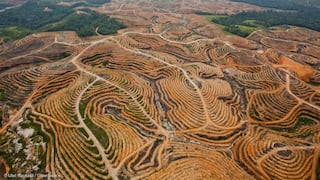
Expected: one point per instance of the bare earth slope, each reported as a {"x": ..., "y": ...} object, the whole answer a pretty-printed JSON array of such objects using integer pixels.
[{"x": 170, "y": 97}]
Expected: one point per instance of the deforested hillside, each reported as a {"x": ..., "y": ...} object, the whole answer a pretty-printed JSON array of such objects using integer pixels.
[{"x": 171, "y": 96}]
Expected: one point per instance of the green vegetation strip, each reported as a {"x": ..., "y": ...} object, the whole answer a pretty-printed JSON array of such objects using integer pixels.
[
  {"x": 3, "y": 96},
  {"x": 100, "y": 134}
]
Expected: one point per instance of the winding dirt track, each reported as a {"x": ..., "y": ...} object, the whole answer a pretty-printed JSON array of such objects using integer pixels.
[
  {"x": 169, "y": 99},
  {"x": 112, "y": 172}
]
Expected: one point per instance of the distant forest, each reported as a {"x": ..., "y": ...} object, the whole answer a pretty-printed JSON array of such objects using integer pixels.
[
  {"x": 85, "y": 24},
  {"x": 283, "y": 4},
  {"x": 46, "y": 15},
  {"x": 292, "y": 12},
  {"x": 299, "y": 13}
]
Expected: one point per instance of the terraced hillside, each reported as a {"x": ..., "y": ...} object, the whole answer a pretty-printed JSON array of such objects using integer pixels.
[{"x": 169, "y": 97}]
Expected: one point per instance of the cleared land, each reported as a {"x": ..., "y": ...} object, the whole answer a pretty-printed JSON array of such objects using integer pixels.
[{"x": 169, "y": 97}]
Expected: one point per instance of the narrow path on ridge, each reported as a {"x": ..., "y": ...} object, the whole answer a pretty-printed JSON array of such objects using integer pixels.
[{"x": 111, "y": 171}]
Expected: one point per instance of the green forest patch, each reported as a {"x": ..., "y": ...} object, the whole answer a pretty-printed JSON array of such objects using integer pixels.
[
  {"x": 85, "y": 24},
  {"x": 290, "y": 12},
  {"x": 14, "y": 32},
  {"x": 245, "y": 23},
  {"x": 44, "y": 15},
  {"x": 242, "y": 28},
  {"x": 283, "y": 4}
]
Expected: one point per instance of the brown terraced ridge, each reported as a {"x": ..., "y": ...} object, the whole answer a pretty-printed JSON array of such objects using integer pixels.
[{"x": 169, "y": 97}]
